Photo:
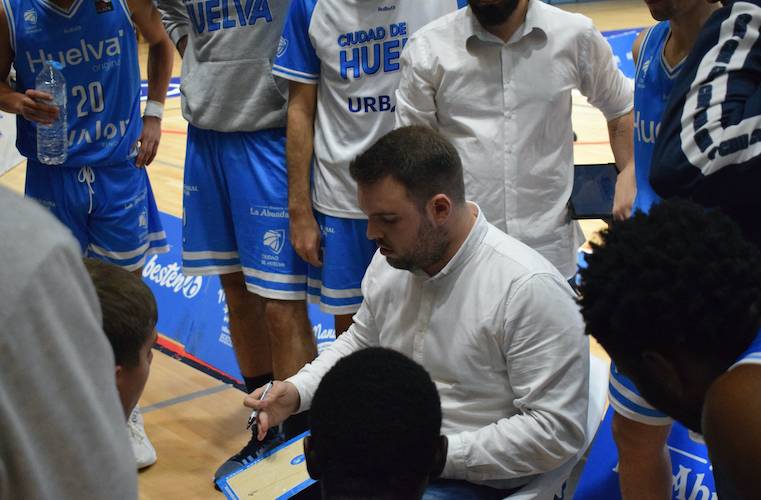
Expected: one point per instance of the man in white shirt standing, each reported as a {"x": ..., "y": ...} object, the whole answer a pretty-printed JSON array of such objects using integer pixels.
[
  {"x": 492, "y": 321},
  {"x": 496, "y": 80}
]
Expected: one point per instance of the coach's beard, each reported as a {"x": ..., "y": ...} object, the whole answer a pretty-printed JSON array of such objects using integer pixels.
[{"x": 493, "y": 13}]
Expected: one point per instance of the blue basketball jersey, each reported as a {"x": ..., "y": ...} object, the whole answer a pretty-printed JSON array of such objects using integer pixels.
[
  {"x": 95, "y": 42},
  {"x": 653, "y": 82}
]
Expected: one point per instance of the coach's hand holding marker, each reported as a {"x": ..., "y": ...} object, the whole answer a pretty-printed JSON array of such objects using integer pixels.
[
  {"x": 252, "y": 418},
  {"x": 282, "y": 400}
]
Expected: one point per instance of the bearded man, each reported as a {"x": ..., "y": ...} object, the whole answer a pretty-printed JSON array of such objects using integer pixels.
[
  {"x": 495, "y": 79},
  {"x": 492, "y": 321}
]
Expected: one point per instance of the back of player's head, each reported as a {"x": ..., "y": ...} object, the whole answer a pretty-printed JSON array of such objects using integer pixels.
[
  {"x": 129, "y": 309},
  {"x": 419, "y": 158},
  {"x": 680, "y": 279},
  {"x": 375, "y": 422}
]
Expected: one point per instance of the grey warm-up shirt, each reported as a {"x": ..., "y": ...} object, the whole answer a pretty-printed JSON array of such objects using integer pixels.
[
  {"x": 63, "y": 427},
  {"x": 227, "y": 83}
]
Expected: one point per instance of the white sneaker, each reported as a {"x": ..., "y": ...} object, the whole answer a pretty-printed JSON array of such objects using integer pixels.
[{"x": 145, "y": 453}]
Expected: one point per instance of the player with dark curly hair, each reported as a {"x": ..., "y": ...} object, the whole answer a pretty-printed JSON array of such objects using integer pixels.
[
  {"x": 395, "y": 444},
  {"x": 675, "y": 299}
]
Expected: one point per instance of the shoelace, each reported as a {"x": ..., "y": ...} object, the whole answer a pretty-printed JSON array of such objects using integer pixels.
[{"x": 87, "y": 176}]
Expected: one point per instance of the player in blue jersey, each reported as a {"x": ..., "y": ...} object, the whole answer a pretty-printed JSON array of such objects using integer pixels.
[
  {"x": 341, "y": 60},
  {"x": 235, "y": 201},
  {"x": 709, "y": 149},
  {"x": 675, "y": 298},
  {"x": 101, "y": 192},
  {"x": 98, "y": 192},
  {"x": 640, "y": 431}
]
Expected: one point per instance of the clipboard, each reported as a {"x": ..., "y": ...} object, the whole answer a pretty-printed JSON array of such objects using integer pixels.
[
  {"x": 278, "y": 474},
  {"x": 593, "y": 188}
]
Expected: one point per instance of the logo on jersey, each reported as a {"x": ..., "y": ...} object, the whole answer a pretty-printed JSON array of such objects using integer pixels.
[
  {"x": 142, "y": 220},
  {"x": 366, "y": 52},
  {"x": 213, "y": 15},
  {"x": 642, "y": 74},
  {"x": 282, "y": 46},
  {"x": 102, "y": 6},
  {"x": 30, "y": 17},
  {"x": 646, "y": 66},
  {"x": 101, "y": 54},
  {"x": 274, "y": 239},
  {"x": 645, "y": 131}
]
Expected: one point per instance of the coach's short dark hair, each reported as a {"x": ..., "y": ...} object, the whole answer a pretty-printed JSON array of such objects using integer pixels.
[
  {"x": 678, "y": 278},
  {"x": 376, "y": 424},
  {"x": 129, "y": 309},
  {"x": 419, "y": 158}
]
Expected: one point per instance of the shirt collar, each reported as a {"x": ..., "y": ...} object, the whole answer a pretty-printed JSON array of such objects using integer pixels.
[
  {"x": 536, "y": 20},
  {"x": 468, "y": 247}
]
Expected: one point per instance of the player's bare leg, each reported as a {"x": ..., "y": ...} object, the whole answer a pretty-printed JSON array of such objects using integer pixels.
[
  {"x": 343, "y": 322},
  {"x": 290, "y": 335},
  {"x": 248, "y": 330}
]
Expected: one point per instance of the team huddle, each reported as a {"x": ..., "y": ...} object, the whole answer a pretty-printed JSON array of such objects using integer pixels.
[{"x": 408, "y": 167}]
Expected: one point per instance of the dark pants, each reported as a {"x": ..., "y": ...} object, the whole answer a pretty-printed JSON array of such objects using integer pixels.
[{"x": 450, "y": 489}]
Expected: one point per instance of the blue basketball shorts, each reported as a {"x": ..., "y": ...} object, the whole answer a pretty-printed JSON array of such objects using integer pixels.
[
  {"x": 346, "y": 253},
  {"x": 235, "y": 211},
  {"x": 109, "y": 209},
  {"x": 628, "y": 402}
]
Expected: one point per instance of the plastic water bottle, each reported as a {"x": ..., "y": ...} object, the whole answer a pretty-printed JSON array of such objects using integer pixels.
[{"x": 52, "y": 141}]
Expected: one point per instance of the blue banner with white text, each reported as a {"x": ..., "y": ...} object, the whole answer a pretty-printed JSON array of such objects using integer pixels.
[
  {"x": 621, "y": 42},
  {"x": 692, "y": 478}
]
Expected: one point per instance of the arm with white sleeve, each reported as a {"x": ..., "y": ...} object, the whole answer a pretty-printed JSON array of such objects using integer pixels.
[
  {"x": 547, "y": 358},
  {"x": 415, "y": 96},
  {"x": 607, "y": 89},
  {"x": 295, "y": 394},
  {"x": 363, "y": 333}
]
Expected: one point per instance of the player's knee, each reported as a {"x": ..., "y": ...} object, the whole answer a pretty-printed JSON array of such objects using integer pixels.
[
  {"x": 234, "y": 286},
  {"x": 284, "y": 317},
  {"x": 635, "y": 439}
]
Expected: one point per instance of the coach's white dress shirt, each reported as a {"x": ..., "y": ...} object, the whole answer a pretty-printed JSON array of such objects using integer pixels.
[
  {"x": 507, "y": 109},
  {"x": 501, "y": 336}
]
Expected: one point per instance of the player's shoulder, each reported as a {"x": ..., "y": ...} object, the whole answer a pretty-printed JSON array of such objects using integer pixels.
[
  {"x": 732, "y": 402},
  {"x": 637, "y": 45},
  {"x": 732, "y": 390},
  {"x": 646, "y": 37}
]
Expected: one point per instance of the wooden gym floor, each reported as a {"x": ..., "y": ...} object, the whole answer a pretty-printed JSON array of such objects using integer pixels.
[{"x": 196, "y": 422}]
